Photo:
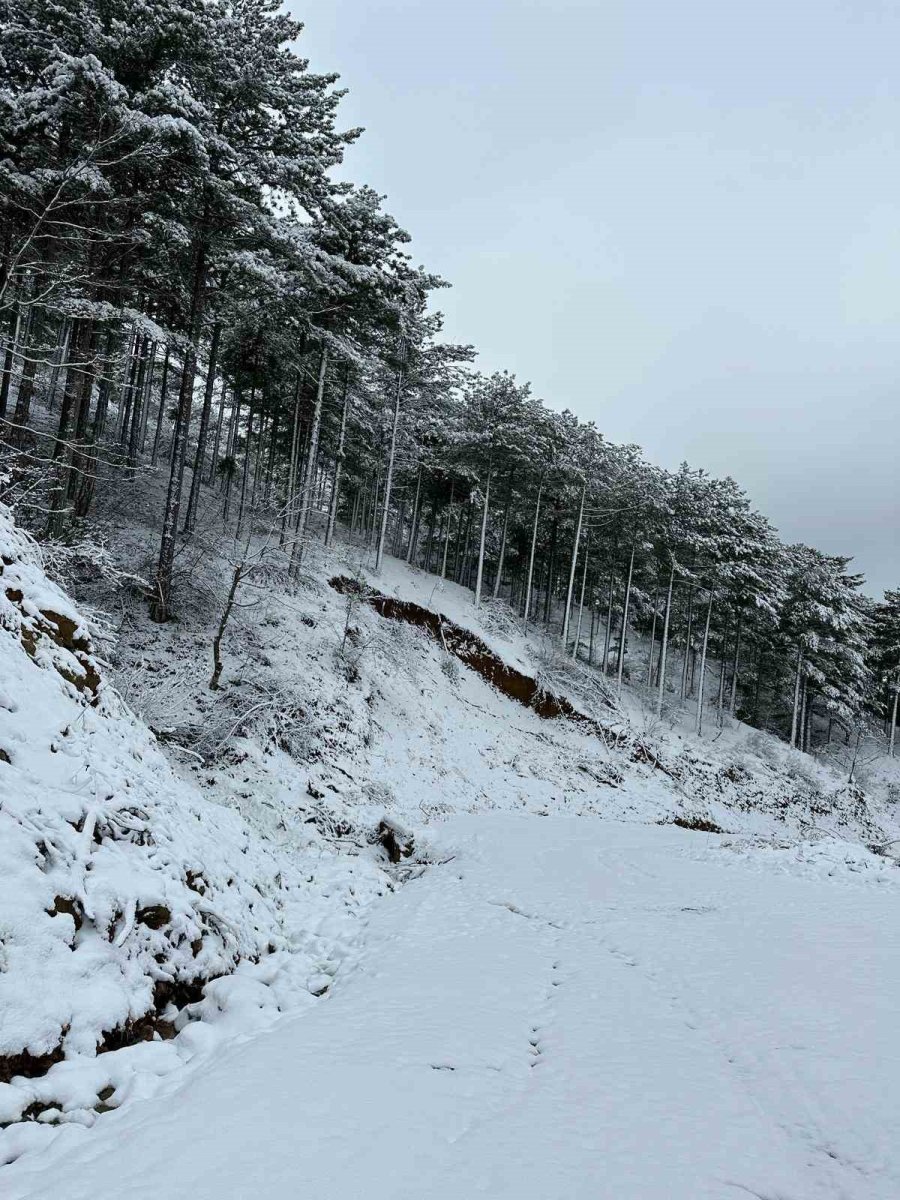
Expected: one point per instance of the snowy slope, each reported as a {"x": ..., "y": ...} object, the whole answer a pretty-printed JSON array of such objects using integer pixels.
[
  {"x": 444, "y": 734},
  {"x": 331, "y": 718},
  {"x": 123, "y": 890},
  {"x": 389, "y": 719},
  {"x": 564, "y": 1008}
]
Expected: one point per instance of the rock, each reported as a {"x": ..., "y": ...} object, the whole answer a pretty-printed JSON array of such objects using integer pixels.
[
  {"x": 398, "y": 842},
  {"x": 154, "y": 916}
]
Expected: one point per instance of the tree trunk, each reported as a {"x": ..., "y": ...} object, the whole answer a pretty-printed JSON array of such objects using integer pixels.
[
  {"x": 78, "y": 463},
  {"x": 732, "y": 700},
  {"x": 621, "y": 664},
  {"x": 584, "y": 573},
  {"x": 534, "y": 532},
  {"x": 160, "y": 608},
  {"x": 59, "y": 358},
  {"x": 290, "y": 499},
  {"x": 338, "y": 464},
  {"x": 231, "y": 449},
  {"x": 105, "y": 382},
  {"x": 78, "y": 379},
  {"x": 245, "y": 469},
  {"x": 796, "y": 710},
  {"x": 374, "y": 515},
  {"x": 720, "y": 702},
  {"x": 462, "y": 547},
  {"x": 414, "y": 522},
  {"x": 131, "y": 432},
  {"x": 665, "y": 645},
  {"x": 447, "y": 532},
  {"x": 653, "y": 638},
  {"x": 125, "y": 399},
  {"x": 270, "y": 462},
  {"x": 356, "y": 519},
  {"x": 389, "y": 480},
  {"x": 217, "y": 440},
  {"x": 685, "y": 666},
  {"x": 312, "y": 457},
  {"x": 499, "y": 576},
  {"x": 145, "y": 402},
  {"x": 22, "y": 414},
  {"x": 226, "y": 613},
  {"x": 399, "y": 530},
  {"x": 484, "y": 521},
  {"x": 164, "y": 382},
  {"x": 194, "y": 494},
  {"x": 429, "y": 540},
  {"x": 551, "y": 567},
  {"x": 703, "y": 667},
  {"x": 808, "y": 697},
  {"x": 259, "y": 454},
  {"x": 607, "y": 635},
  {"x": 572, "y": 566},
  {"x": 8, "y": 357}
]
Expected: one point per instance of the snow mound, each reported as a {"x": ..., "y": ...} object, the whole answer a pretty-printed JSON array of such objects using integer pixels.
[{"x": 122, "y": 889}]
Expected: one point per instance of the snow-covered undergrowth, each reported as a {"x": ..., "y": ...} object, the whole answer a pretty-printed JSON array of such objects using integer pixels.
[
  {"x": 123, "y": 890},
  {"x": 366, "y": 713},
  {"x": 331, "y": 713},
  {"x": 237, "y": 846}
]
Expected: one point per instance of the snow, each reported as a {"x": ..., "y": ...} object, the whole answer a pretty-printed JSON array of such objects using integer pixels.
[
  {"x": 122, "y": 888},
  {"x": 566, "y": 1007},
  {"x": 568, "y": 996}
]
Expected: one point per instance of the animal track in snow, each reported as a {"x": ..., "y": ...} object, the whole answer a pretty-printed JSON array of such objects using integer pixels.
[{"x": 536, "y": 1040}]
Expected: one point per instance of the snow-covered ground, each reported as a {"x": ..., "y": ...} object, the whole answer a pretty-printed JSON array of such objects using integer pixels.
[
  {"x": 563, "y": 1008},
  {"x": 718, "y": 1019},
  {"x": 124, "y": 890}
]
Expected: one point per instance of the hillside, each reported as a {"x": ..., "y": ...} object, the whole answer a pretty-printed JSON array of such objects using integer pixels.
[
  {"x": 410, "y": 787},
  {"x": 228, "y": 876},
  {"x": 125, "y": 890}
]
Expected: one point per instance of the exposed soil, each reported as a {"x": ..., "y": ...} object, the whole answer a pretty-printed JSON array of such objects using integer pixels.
[
  {"x": 699, "y": 824},
  {"x": 30, "y": 1065},
  {"x": 471, "y": 651},
  {"x": 66, "y": 634}
]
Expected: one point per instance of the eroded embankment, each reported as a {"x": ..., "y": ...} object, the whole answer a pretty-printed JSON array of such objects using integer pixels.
[{"x": 473, "y": 653}]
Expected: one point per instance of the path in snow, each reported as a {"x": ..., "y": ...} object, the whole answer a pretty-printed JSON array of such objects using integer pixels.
[{"x": 567, "y": 1009}]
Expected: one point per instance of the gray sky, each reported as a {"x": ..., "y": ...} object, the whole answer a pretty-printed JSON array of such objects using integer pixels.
[{"x": 678, "y": 218}]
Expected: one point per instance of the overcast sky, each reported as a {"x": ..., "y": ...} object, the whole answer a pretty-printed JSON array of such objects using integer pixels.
[{"x": 678, "y": 218}]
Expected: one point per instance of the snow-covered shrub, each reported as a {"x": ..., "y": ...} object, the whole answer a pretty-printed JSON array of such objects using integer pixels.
[
  {"x": 84, "y": 559},
  {"x": 156, "y": 696},
  {"x": 286, "y": 722},
  {"x": 558, "y": 674},
  {"x": 451, "y": 669},
  {"x": 764, "y": 747},
  {"x": 498, "y": 618},
  {"x": 380, "y": 794}
]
